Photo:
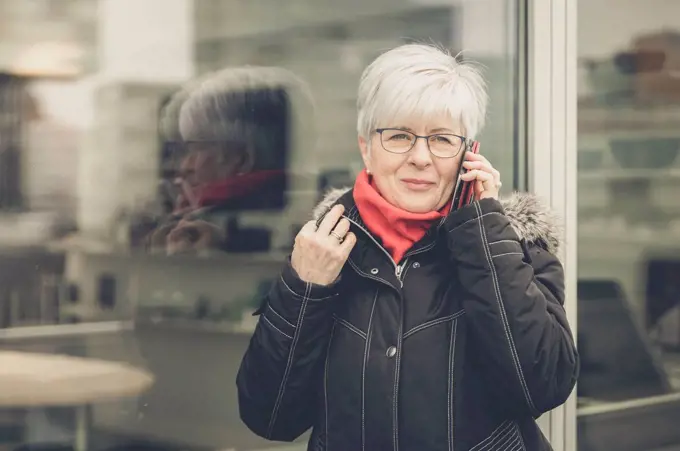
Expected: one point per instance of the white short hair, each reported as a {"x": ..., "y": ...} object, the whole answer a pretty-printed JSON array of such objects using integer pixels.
[
  {"x": 420, "y": 80},
  {"x": 252, "y": 105},
  {"x": 228, "y": 103}
]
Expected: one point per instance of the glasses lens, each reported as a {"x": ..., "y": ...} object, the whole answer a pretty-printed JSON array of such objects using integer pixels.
[
  {"x": 445, "y": 146},
  {"x": 397, "y": 141}
]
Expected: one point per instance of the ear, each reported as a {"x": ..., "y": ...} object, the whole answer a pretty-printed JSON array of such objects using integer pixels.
[
  {"x": 365, "y": 147},
  {"x": 244, "y": 163}
]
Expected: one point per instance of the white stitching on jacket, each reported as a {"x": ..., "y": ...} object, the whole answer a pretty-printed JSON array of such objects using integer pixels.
[
  {"x": 269, "y": 306},
  {"x": 449, "y": 401},
  {"x": 505, "y": 241},
  {"x": 508, "y": 253},
  {"x": 499, "y": 299},
  {"x": 506, "y": 437},
  {"x": 349, "y": 326},
  {"x": 433, "y": 322},
  {"x": 507, "y": 441},
  {"x": 474, "y": 219},
  {"x": 522, "y": 446},
  {"x": 276, "y": 328},
  {"x": 499, "y": 442},
  {"x": 395, "y": 400},
  {"x": 483, "y": 444},
  {"x": 363, "y": 373},
  {"x": 291, "y": 352},
  {"x": 307, "y": 290},
  {"x": 325, "y": 380}
]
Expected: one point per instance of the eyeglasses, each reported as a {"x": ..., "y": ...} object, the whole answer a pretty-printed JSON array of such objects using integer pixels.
[{"x": 442, "y": 145}]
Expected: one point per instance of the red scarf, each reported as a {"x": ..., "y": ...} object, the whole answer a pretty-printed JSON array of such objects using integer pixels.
[
  {"x": 398, "y": 229},
  {"x": 238, "y": 186},
  {"x": 235, "y": 187}
]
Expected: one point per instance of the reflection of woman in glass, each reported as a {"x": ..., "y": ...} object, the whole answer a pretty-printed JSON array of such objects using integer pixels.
[
  {"x": 234, "y": 136},
  {"x": 402, "y": 322}
]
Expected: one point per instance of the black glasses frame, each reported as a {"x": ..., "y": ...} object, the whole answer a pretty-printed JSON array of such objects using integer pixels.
[{"x": 464, "y": 141}]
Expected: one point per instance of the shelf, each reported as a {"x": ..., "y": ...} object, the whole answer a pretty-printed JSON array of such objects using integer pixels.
[
  {"x": 262, "y": 30},
  {"x": 192, "y": 325},
  {"x": 101, "y": 247},
  {"x": 629, "y": 174},
  {"x": 628, "y": 120}
]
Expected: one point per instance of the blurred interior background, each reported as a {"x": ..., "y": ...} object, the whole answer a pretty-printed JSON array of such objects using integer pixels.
[{"x": 87, "y": 173}]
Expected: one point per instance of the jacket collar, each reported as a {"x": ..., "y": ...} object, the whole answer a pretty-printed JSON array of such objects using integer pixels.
[{"x": 533, "y": 221}]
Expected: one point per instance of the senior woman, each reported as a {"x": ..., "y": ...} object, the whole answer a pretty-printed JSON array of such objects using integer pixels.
[{"x": 400, "y": 322}]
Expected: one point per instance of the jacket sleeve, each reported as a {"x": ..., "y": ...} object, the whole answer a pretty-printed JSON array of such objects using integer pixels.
[
  {"x": 282, "y": 367},
  {"x": 514, "y": 297}
]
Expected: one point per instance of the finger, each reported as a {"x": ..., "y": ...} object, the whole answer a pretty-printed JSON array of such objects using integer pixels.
[
  {"x": 308, "y": 228},
  {"x": 471, "y": 175},
  {"x": 331, "y": 219},
  {"x": 479, "y": 188},
  {"x": 488, "y": 182},
  {"x": 483, "y": 160},
  {"x": 340, "y": 230},
  {"x": 485, "y": 177},
  {"x": 496, "y": 176},
  {"x": 348, "y": 244},
  {"x": 468, "y": 176},
  {"x": 172, "y": 234},
  {"x": 475, "y": 157},
  {"x": 484, "y": 166},
  {"x": 477, "y": 174},
  {"x": 471, "y": 156},
  {"x": 484, "y": 183}
]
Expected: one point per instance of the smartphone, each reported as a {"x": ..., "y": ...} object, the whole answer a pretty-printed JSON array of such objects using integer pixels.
[{"x": 464, "y": 192}]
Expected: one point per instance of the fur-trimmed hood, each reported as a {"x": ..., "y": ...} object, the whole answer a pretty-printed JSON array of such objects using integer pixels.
[{"x": 530, "y": 217}]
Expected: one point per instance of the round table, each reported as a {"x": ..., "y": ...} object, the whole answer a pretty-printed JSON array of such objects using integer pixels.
[{"x": 49, "y": 380}]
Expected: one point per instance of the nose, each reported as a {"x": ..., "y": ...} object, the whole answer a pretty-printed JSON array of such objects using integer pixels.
[{"x": 420, "y": 155}]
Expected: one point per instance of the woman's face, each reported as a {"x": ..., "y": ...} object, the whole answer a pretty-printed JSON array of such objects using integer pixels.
[
  {"x": 206, "y": 163},
  {"x": 416, "y": 181}
]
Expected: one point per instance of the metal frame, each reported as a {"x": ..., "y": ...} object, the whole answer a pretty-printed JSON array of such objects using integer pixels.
[
  {"x": 551, "y": 59},
  {"x": 521, "y": 46}
]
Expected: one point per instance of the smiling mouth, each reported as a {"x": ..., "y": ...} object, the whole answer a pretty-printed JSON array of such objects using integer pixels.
[{"x": 417, "y": 184}]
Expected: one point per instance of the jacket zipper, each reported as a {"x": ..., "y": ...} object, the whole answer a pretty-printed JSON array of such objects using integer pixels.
[
  {"x": 398, "y": 268},
  {"x": 368, "y": 234},
  {"x": 399, "y": 271}
]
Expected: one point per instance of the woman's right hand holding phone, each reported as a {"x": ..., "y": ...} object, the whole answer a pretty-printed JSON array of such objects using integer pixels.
[{"x": 485, "y": 178}]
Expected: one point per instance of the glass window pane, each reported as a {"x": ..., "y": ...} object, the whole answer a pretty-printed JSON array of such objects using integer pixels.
[
  {"x": 121, "y": 237},
  {"x": 629, "y": 258}
]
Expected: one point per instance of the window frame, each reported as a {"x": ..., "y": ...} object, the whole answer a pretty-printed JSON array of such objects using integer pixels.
[{"x": 552, "y": 139}]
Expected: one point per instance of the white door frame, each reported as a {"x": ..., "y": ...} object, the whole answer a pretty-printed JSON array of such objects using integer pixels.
[{"x": 552, "y": 128}]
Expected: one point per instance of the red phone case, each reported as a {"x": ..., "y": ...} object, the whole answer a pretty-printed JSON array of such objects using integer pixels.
[{"x": 467, "y": 189}]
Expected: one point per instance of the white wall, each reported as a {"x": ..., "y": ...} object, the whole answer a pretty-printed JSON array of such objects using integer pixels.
[
  {"x": 488, "y": 27},
  {"x": 150, "y": 40},
  {"x": 140, "y": 42},
  {"x": 607, "y": 26}
]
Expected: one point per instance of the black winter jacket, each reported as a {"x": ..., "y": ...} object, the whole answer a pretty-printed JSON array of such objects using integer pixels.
[{"x": 459, "y": 347}]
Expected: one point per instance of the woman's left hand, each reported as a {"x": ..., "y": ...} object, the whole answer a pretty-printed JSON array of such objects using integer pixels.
[
  {"x": 487, "y": 180},
  {"x": 194, "y": 236}
]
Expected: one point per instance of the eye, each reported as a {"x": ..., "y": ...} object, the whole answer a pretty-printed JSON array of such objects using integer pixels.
[
  {"x": 399, "y": 137},
  {"x": 442, "y": 139}
]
